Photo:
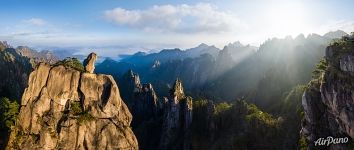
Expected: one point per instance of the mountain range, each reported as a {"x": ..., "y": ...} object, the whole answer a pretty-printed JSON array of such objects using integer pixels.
[{"x": 237, "y": 97}]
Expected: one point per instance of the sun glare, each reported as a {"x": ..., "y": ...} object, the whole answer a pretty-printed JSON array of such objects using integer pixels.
[{"x": 287, "y": 19}]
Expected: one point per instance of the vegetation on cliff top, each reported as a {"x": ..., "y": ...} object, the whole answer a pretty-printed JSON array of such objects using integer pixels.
[
  {"x": 235, "y": 125},
  {"x": 344, "y": 44},
  {"x": 73, "y": 63}
]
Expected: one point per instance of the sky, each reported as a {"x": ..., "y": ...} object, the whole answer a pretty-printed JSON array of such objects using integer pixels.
[{"x": 113, "y": 27}]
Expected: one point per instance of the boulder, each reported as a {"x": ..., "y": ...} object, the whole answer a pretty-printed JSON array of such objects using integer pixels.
[{"x": 89, "y": 62}]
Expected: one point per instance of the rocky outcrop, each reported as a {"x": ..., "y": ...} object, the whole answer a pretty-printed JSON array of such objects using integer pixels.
[
  {"x": 145, "y": 108},
  {"x": 156, "y": 64},
  {"x": 145, "y": 105},
  {"x": 63, "y": 108},
  {"x": 177, "y": 119},
  {"x": 158, "y": 124},
  {"x": 329, "y": 100},
  {"x": 141, "y": 98},
  {"x": 89, "y": 62}
]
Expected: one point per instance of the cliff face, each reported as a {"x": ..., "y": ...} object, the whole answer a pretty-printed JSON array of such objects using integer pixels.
[
  {"x": 143, "y": 103},
  {"x": 141, "y": 98},
  {"x": 158, "y": 124},
  {"x": 329, "y": 100},
  {"x": 15, "y": 70},
  {"x": 177, "y": 119},
  {"x": 63, "y": 108}
]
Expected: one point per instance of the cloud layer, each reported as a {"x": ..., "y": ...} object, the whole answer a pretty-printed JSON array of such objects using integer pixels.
[
  {"x": 183, "y": 18},
  {"x": 35, "y": 21}
]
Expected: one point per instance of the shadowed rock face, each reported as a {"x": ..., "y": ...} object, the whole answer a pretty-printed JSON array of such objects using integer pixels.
[
  {"x": 329, "y": 101},
  {"x": 140, "y": 98},
  {"x": 158, "y": 124},
  {"x": 15, "y": 70},
  {"x": 63, "y": 108},
  {"x": 177, "y": 120},
  {"x": 145, "y": 108}
]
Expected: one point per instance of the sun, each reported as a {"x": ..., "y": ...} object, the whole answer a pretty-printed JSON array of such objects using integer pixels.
[{"x": 287, "y": 19}]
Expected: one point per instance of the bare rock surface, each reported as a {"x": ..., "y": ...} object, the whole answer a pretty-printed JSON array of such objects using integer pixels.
[
  {"x": 89, "y": 62},
  {"x": 63, "y": 108}
]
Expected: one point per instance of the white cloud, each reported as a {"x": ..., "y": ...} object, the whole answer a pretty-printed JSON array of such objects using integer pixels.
[
  {"x": 183, "y": 18},
  {"x": 35, "y": 21}
]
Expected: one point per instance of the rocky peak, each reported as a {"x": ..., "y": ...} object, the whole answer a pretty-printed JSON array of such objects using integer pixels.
[
  {"x": 141, "y": 98},
  {"x": 89, "y": 62},
  {"x": 147, "y": 87},
  {"x": 300, "y": 38},
  {"x": 235, "y": 44},
  {"x": 156, "y": 64},
  {"x": 335, "y": 34},
  {"x": 143, "y": 104},
  {"x": 202, "y": 45},
  {"x": 37, "y": 56},
  {"x": 63, "y": 108},
  {"x": 4, "y": 45},
  {"x": 134, "y": 77},
  {"x": 177, "y": 120},
  {"x": 177, "y": 91}
]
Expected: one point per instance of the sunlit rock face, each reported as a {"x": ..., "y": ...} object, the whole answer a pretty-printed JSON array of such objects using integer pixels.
[
  {"x": 329, "y": 101},
  {"x": 89, "y": 62},
  {"x": 177, "y": 119},
  {"x": 63, "y": 108}
]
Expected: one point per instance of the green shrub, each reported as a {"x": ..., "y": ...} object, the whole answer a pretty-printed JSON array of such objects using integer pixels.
[
  {"x": 222, "y": 107},
  {"x": 8, "y": 112},
  {"x": 256, "y": 115},
  {"x": 343, "y": 45},
  {"x": 200, "y": 103},
  {"x": 320, "y": 68},
  {"x": 73, "y": 63},
  {"x": 303, "y": 143},
  {"x": 83, "y": 116},
  {"x": 76, "y": 108}
]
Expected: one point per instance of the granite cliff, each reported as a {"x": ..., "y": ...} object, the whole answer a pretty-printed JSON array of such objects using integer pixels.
[
  {"x": 329, "y": 99},
  {"x": 143, "y": 103},
  {"x": 158, "y": 123},
  {"x": 177, "y": 119},
  {"x": 63, "y": 108}
]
